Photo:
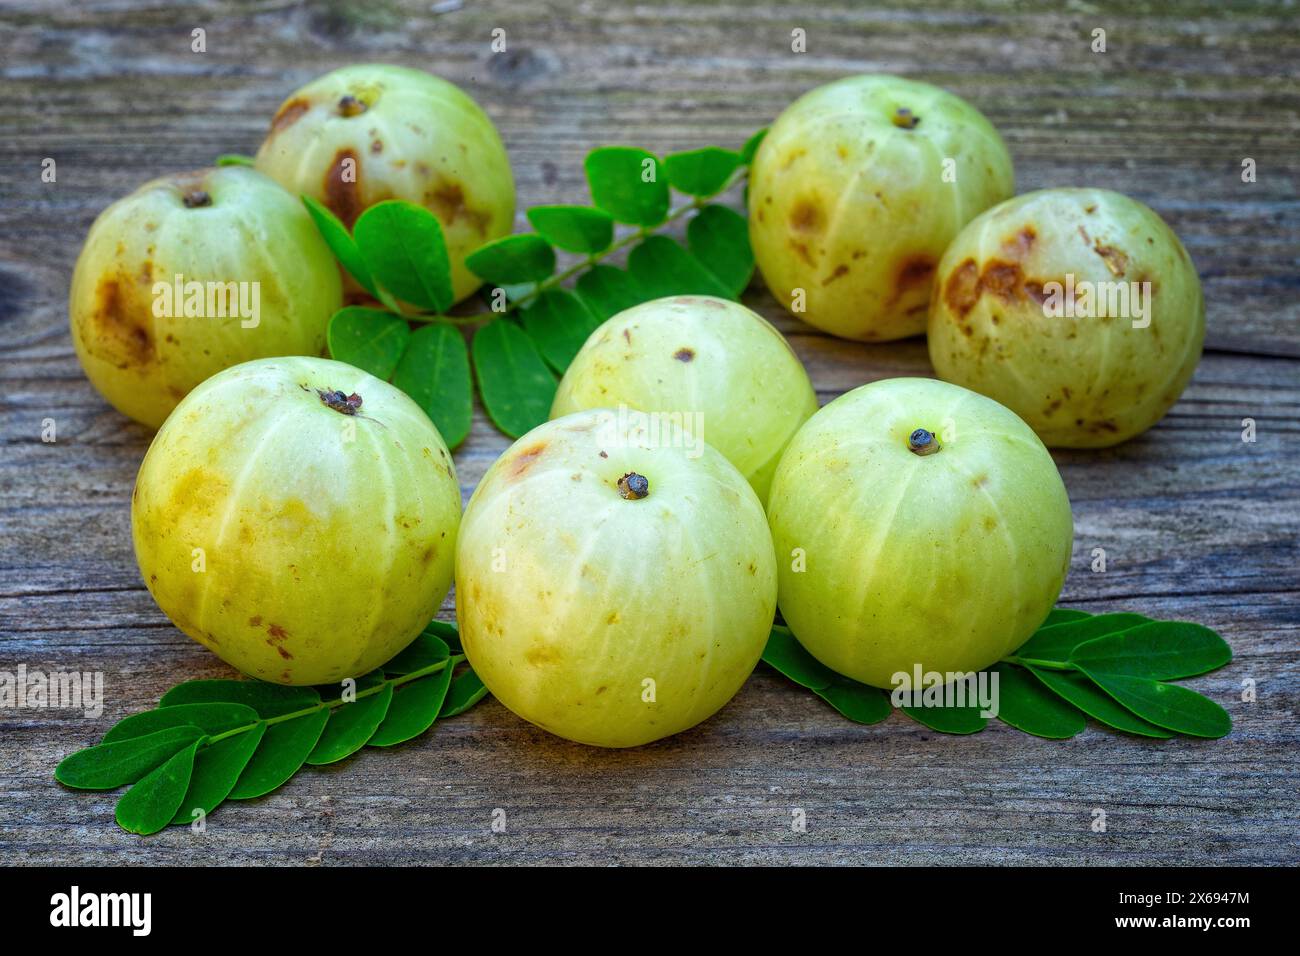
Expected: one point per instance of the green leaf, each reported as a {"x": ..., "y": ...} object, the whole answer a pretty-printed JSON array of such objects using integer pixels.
[
  {"x": 427, "y": 649},
  {"x": 1160, "y": 650},
  {"x": 341, "y": 243},
  {"x": 269, "y": 700},
  {"x": 574, "y": 228},
  {"x": 661, "y": 268},
  {"x": 434, "y": 371},
  {"x": 467, "y": 689},
  {"x": 447, "y": 632},
  {"x": 860, "y": 703},
  {"x": 351, "y": 725},
  {"x": 513, "y": 379},
  {"x": 1056, "y": 642},
  {"x": 513, "y": 259},
  {"x": 211, "y": 718},
  {"x": 150, "y": 805},
  {"x": 787, "y": 655},
  {"x": 1095, "y": 702},
  {"x": 607, "y": 291},
  {"x": 1165, "y": 705},
  {"x": 415, "y": 708},
  {"x": 112, "y": 765},
  {"x": 701, "y": 172},
  {"x": 285, "y": 747},
  {"x": 558, "y": 323},
  {"x": 403, "y": 246},
  {"x": 235, "y": 159},
  {"x": 1025, "y": 703},
  {"x": 216, "y": 769},
  {"x": 371, "y": 339},
  {"x": 751, "y": 146},
  {"x": 719, "y": 238},
  {"x": 625, "y": 182},
  {"x": 1060, "y": 615},
  {"x": 949, "y": 720}
]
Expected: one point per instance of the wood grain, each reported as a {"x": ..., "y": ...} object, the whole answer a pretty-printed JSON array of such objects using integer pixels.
[{"x": 1196, "y": 523}]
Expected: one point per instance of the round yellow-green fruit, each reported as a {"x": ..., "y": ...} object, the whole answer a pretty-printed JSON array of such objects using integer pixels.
[
  {"x": 855, "y": 192},
  {"x": 917, "y": 524},
  {"x": 611, "y": 588},
  {"x": 370, "y": 132},
  {"x": 711, "y": 366},
  {"x": 297, "y": 517},
  {"x": 191, "y": 274},
  {"x": 1078, "y": 309}
]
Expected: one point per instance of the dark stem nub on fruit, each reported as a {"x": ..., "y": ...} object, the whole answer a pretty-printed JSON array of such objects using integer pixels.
[
  {"x": 633, "y": 486},
  {"x": 351, "y": 106},
  {"x": 905, "y": 118},
  {"x": 196, "y": 198},
  {"x": 922, "y": 442},
  {"x": 339, "y": 401}
]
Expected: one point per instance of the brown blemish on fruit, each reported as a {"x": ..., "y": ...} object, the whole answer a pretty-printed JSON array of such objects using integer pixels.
[
  {"x": 962, "y": 290},
  {"x": 979, "y": 481},
  {"x": 343, "y": 197},
  {"x": 376, "y": 147},
  {"x": 627, "y": 336},
  {"x": 449, "y": 204},
  {"x": 806, "y": 216},
  {"x": 1116, "y": 261},
  {"x": 1084, "y": 233},
  {"x": 289, "y": 114},
  {"x": 841, "y": 270},
  {"x": 427, "y": 554},
  {"x": 802, "y": 250},
  {"x": 525, "y": 459},
  {"x": 990, "y": 522},
  {"x": 913, "y": 272},
  {"x": 119, "y": 327},
  {"x": 604, "y": 454},
  {"x": 612, "y": 618},
  {"x": 255, "y": 621},
  {"x": 684, "y": 355},
  {"x": 1019, "y": 245}
]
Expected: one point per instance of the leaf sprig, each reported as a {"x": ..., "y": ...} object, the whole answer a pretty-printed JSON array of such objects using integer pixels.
[
  {"x": 1114, "y": 668},
  {"x": 209, "y": 741},
  {"x": 397, "y": 253}
]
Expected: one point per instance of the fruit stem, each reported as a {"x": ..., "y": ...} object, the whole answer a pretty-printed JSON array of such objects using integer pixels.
[
  {"x": 633, "y": 487},
  {"x": 922, "y": 442}
]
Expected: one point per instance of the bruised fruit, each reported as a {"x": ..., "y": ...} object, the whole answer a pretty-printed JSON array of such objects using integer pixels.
[
  {"x": 711, "y": 367},
  {"x": 297, "y": 517},
  {"x": 191, "y": 274},
  {"x": 1078, "y": 309},
  {"x": 855, "y": 192},
  {"x": 371, "y": 132},
  {"x": 917, "y": 524},
  {"x": 611, "y": 588}
]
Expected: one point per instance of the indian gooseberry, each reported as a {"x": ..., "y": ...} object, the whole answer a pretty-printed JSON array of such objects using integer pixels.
[
  {"x": 917, "y": 524},
  {"x": 370, "y": 132},
  {"x": 855, "y": 192},
  {"x": 191, "y": 274},
  {"x": 297, "y": 517},
  {"x": 712, "y": 365},
  {"x": 1078, "y": 309},
  {"x": 612, "y": 587}
]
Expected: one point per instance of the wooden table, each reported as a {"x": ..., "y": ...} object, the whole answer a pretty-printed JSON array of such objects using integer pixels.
[{"x": 1196, "y": 523}]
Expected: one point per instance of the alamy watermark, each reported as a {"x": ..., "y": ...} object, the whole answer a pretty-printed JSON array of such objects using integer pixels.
[
  {"x": 946, "y": 689},
  {"x": 628, "y": 426},
  {"x": 60, "y": 690},
  {"x": 1094, "y": 300},
  {"x": 209, "y": 300}
]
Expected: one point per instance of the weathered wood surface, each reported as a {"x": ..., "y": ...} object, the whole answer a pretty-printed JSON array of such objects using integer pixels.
[{"x": 1196, "y": 523}]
